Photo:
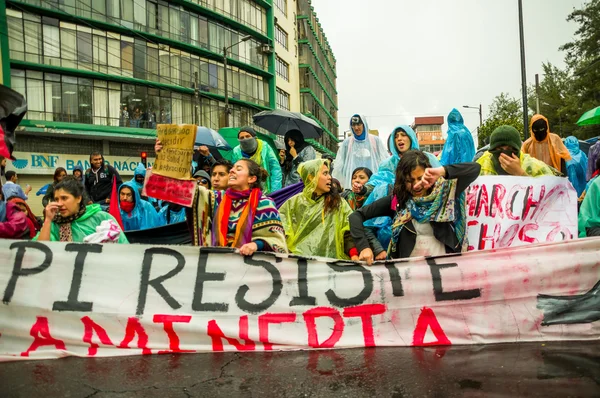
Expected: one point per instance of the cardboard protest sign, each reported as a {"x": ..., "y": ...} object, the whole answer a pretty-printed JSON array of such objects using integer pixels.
[
  {"x": 506, "y": 211},
  {"x": 180, "y": 192},
  {"x": 175, "y": 158},
  {"x": 110, "y": 300}
]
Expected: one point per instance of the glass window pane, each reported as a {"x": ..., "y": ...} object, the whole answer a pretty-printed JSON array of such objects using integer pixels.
[
  {"x": 68, "y": 45},
  {"x": 100, "y": 106},
  {"x": 113, "y": 9},
  {"x": 114, "y": 107},
  {"x": 151, "y": 11},
  {"x": 52, "y": 44},
  {"x": 175, "y": 24},
  {"x": 53, "y": 101},
  {"x": 127, "y": 10},
  {"x": 139, "y": 14},
  {"x": 164, "y": 66},
  {"x": 70, "y": 104},
  {"x": 114, "y": 56},
  {"x": 139, "y": 59},
  {"x": 84, "y": 49},
  {"x": 152, "y": 57},
  {"x": 127, "y": 58},
  {"x": 16, "y": 38},
  {"x": 85, "y": 103}
]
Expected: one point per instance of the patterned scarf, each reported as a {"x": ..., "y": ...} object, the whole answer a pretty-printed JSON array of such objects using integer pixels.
[
  {"x": 441, "y": 205},
  {"x": 355, "y": 201},
  {"x": 243, "y": 230},
  {"x": 64, "y": 223}
]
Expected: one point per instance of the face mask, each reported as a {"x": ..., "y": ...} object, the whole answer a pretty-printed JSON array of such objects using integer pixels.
[
  {"x": 249, "y": 145},
  {"x": 127, "y": 206},
  {"x": 540, "y": 130}
]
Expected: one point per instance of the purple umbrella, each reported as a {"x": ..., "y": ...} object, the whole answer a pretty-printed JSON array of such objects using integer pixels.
[{"x": 282, "y": 195}]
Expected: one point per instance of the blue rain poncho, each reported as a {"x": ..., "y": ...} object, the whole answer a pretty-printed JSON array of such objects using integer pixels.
[
  {"x": 169, "y": 216},
  {"x": 577, "y": 166},
  {"x": 139, "y": 170},
  {"x": 383, "y": 182},
  {"x": 459, "y": 146},
  {"x": 143, "y": 215},
  {"x": 364, "y": 151}
]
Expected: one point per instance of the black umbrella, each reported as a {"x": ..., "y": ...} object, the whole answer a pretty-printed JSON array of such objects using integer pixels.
[
  {"x": 12, "y": 110},
  {"x": 280, "y": 122}
]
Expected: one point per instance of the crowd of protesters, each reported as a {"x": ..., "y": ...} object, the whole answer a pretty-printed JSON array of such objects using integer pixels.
[{"x": 370, "y": 203}]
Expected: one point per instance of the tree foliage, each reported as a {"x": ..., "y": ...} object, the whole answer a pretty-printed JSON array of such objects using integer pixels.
[
  {"x": 564, "y": 95},
  {"x": 504, "y": 110}
]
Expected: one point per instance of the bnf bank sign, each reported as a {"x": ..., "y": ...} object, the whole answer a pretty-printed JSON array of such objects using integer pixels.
[{"x": 44, "y": 163}]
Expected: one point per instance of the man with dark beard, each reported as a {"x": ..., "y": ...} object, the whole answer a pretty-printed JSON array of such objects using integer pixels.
[{"x": 506, "y": 158}]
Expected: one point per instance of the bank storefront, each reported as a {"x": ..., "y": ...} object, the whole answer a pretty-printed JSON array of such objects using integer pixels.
[{"x": 37, "y": 170}]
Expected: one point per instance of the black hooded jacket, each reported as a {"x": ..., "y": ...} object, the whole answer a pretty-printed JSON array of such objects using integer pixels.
[{"x": 99, "y": 184}]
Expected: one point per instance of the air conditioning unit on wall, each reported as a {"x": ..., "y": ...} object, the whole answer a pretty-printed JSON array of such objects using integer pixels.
[{"x": 266, "y": 49}]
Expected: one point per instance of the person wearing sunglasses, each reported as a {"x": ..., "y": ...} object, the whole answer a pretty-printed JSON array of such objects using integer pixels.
[{"x": 203, "y": 179}]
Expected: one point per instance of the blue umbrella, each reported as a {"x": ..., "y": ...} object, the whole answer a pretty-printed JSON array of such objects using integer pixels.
[
  {"x": 210, "y": 138},
  {"x": 43, "y": 190}
]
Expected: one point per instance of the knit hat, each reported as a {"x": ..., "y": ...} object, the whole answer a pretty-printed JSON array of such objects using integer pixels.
[
  {"x": 505, "y": 135},
  {"x": 201, "y": 174},
  {"x": 248, "y": 130},
  {"x": 279, "y": 145}
]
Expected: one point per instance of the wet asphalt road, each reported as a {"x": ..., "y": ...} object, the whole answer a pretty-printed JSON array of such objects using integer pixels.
[{"x": 535, "y": 370}]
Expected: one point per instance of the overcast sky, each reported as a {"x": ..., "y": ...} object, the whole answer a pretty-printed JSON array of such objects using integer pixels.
[{"x": 397, "y": 59}]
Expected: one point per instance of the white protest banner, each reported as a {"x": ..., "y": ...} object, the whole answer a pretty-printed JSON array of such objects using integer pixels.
[
  {"x": 506, "y": 211},
  {"x": 110, "y": 300}
]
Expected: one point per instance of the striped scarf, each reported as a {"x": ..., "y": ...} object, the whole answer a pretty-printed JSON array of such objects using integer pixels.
[{"x": 243, "y": 230}]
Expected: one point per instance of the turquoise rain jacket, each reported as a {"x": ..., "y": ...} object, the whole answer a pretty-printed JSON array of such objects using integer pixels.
[
  {"x": 173, "y": 216},
  {"x": 383, "y": 183},
  {"x": 143, "y": 215},
  {"x": 577, "y": 166},
  {"x": 459, "y": 146},
  {"x": 139, "y": 170}
]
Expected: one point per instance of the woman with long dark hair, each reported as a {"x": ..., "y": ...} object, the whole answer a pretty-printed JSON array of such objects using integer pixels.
[
  {"x": 241, "y": 217},
  {"x": 68, "y": 219},
  {"x": 59, "y": 174},
  {"x": 427, "y": 207},
  {"x": 296, "y": 151},
  {"x": 358, "y": 194},
  {"x": 316, "y": 220}
]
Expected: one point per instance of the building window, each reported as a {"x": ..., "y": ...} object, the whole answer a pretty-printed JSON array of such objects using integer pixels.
[
  {"x": 281, "y": 36},
  {"x": 283, "y": 100},
  {"x": 61, "y": 98},
  {"x": 282, "y": 5},
  {"x": 283, "y": 69}
]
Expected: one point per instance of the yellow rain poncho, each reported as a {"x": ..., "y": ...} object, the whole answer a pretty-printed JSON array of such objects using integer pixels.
[
  {"x": 309, "y": 231},
  {"x": 532, "y": 166}
]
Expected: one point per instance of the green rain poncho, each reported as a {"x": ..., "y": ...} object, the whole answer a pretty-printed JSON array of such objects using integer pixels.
[
  {"x": 308, "y": 230},
  {"x": 85, "y": 225},
  {"x": 589, "y": 213}
]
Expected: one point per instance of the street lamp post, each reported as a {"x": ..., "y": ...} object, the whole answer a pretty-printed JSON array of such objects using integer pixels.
[
  {"x": 523, "y": 70},
  {"x": 480, "y": 118},
  {"x": 225, "y": 79}
]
